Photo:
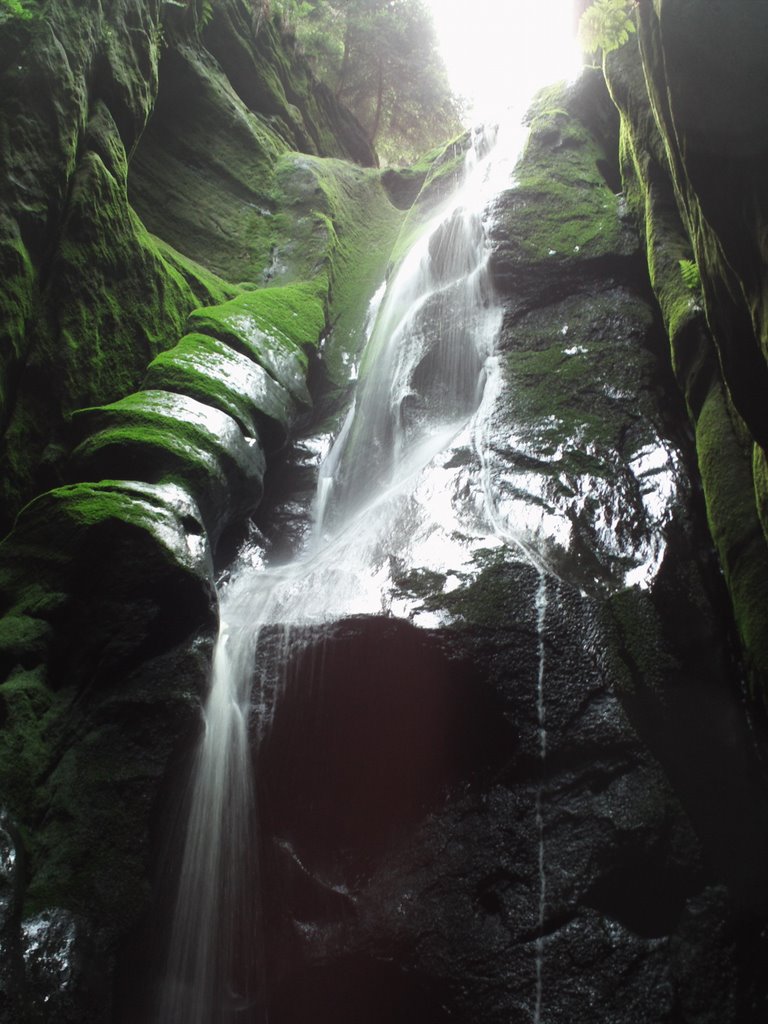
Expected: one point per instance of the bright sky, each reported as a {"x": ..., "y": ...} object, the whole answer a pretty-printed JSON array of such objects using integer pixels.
[{"x": 499, "y": 51}]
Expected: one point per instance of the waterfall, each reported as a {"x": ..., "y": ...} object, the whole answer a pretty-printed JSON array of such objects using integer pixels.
[
  {"x": 216, "y": 909},
  {"x": 386, "y": 495}
]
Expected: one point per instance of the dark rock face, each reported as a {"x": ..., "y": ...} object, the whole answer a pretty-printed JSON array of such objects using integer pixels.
[{"x": 426, "y": 858}]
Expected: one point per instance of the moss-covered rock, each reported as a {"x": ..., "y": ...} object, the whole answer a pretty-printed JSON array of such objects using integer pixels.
[
  {"x": 271, "y": 77},
  {"x": 60, "y": 69},
  {"x": 201, "y": 177},
  {"x": 727, "y": 478},
  {"x": 204, "y": 175},
  {"x": 700, "y": 57},
  {"x": 351, "y": 210},
  {"x": 270, "y": 329},
  {"x": 437, "y": 175},
  {"x": 75, "y": 564},
  {"x": 95, "y": 580},
  {"x": 86, "y": 286},
  {"x": 203, "y": 368},
  {"x": 699, "y": 326},
  {"x": 561, "y": 217},
  {"x": 111, "y": 301},
  {"x": 25, "y": 702},
  {"x": 159, "y": 437}
]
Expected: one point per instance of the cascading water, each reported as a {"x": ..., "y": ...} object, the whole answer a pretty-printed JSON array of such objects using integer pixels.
[{"x": 388, "y": 494}]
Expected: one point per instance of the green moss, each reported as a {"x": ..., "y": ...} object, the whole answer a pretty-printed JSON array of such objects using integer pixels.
[
  {"x": 268, "y": 326},
  {"x": 80, "y": 779},
  {"x": 23, "y": 640},
  {"x": 443, "y": 168},
  {"x": 273, "y": 327},
  {"x": 24, "y": 9},
  {"x": 118, "y": 295},
  {"x": 425, "y": 584},
  {"x": 165, "y": 438},
  {"x": 760, "y": 477},
  {"x": 729, "y": 491},
  {"x": 202, "y": 176},
  {"x": 639, "y": 647},
  {"x": 117, "y": 564},
  {"x": 63, "y": 514},
  {"x": 17, "y": 302},
  {"x": 182, "y": 428},
  {"x": 110, "y": 564},
  {"x": 25, "y": 703},
  {"x": 484, "y": 600},
  {"x": 442, "y": 171},
  {"x": 557, "y": 222},
  {"x": 583, "y": 385},
  {"x": 343, "y": 227},
  {"x": 207, "y": 288},
  {"x": 562, "y": 208},
  {"x": 486, "y": 595},
  {"x": 295, "y": 311},
  {"x": 91, "y": 852},
  {"x": 118, "y": 320},
  {"x": 212, "y": 372},
  {"x": 668, "y": 247},
  {"x": 655, "y": 152},
  {"x": 112, "y": 302}
]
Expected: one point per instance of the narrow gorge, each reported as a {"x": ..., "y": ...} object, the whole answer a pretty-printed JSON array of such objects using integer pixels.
[{"x": 384, "y": 634}]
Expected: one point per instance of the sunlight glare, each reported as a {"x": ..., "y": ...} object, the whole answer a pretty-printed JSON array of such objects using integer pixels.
[{"x": 498, "y": 52}]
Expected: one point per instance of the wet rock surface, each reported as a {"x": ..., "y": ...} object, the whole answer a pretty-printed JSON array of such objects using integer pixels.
[
  {"x": 449, "y": 873},
  {"x": 207, "y": 370},
  {"x": 585, "y": 837},
  {"x": 160, "y": 437}
]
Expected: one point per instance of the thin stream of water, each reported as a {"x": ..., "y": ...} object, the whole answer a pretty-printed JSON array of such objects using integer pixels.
[
  {"x": 504, "y": 530},
  {"x": 541, "y": 713}
]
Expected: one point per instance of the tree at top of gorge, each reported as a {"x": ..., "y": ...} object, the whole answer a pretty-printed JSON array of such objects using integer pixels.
[{"x": 382, "y": 60}]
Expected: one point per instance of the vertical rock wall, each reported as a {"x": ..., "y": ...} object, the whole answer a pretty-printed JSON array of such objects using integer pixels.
[
  {"x": 693, "y": 146},
  {"x": 151, "y": 427}
]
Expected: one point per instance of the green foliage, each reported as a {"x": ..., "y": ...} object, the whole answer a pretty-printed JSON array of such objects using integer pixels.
[
  {"x": 199, "y": 11},
  {"x": 606, "y": 25},
  {"x": 291, "y": 12},
  {"x": 381, "y": 59},
  {"x": 18, "y": 9},
  {"x": 691, "y": 276}
]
